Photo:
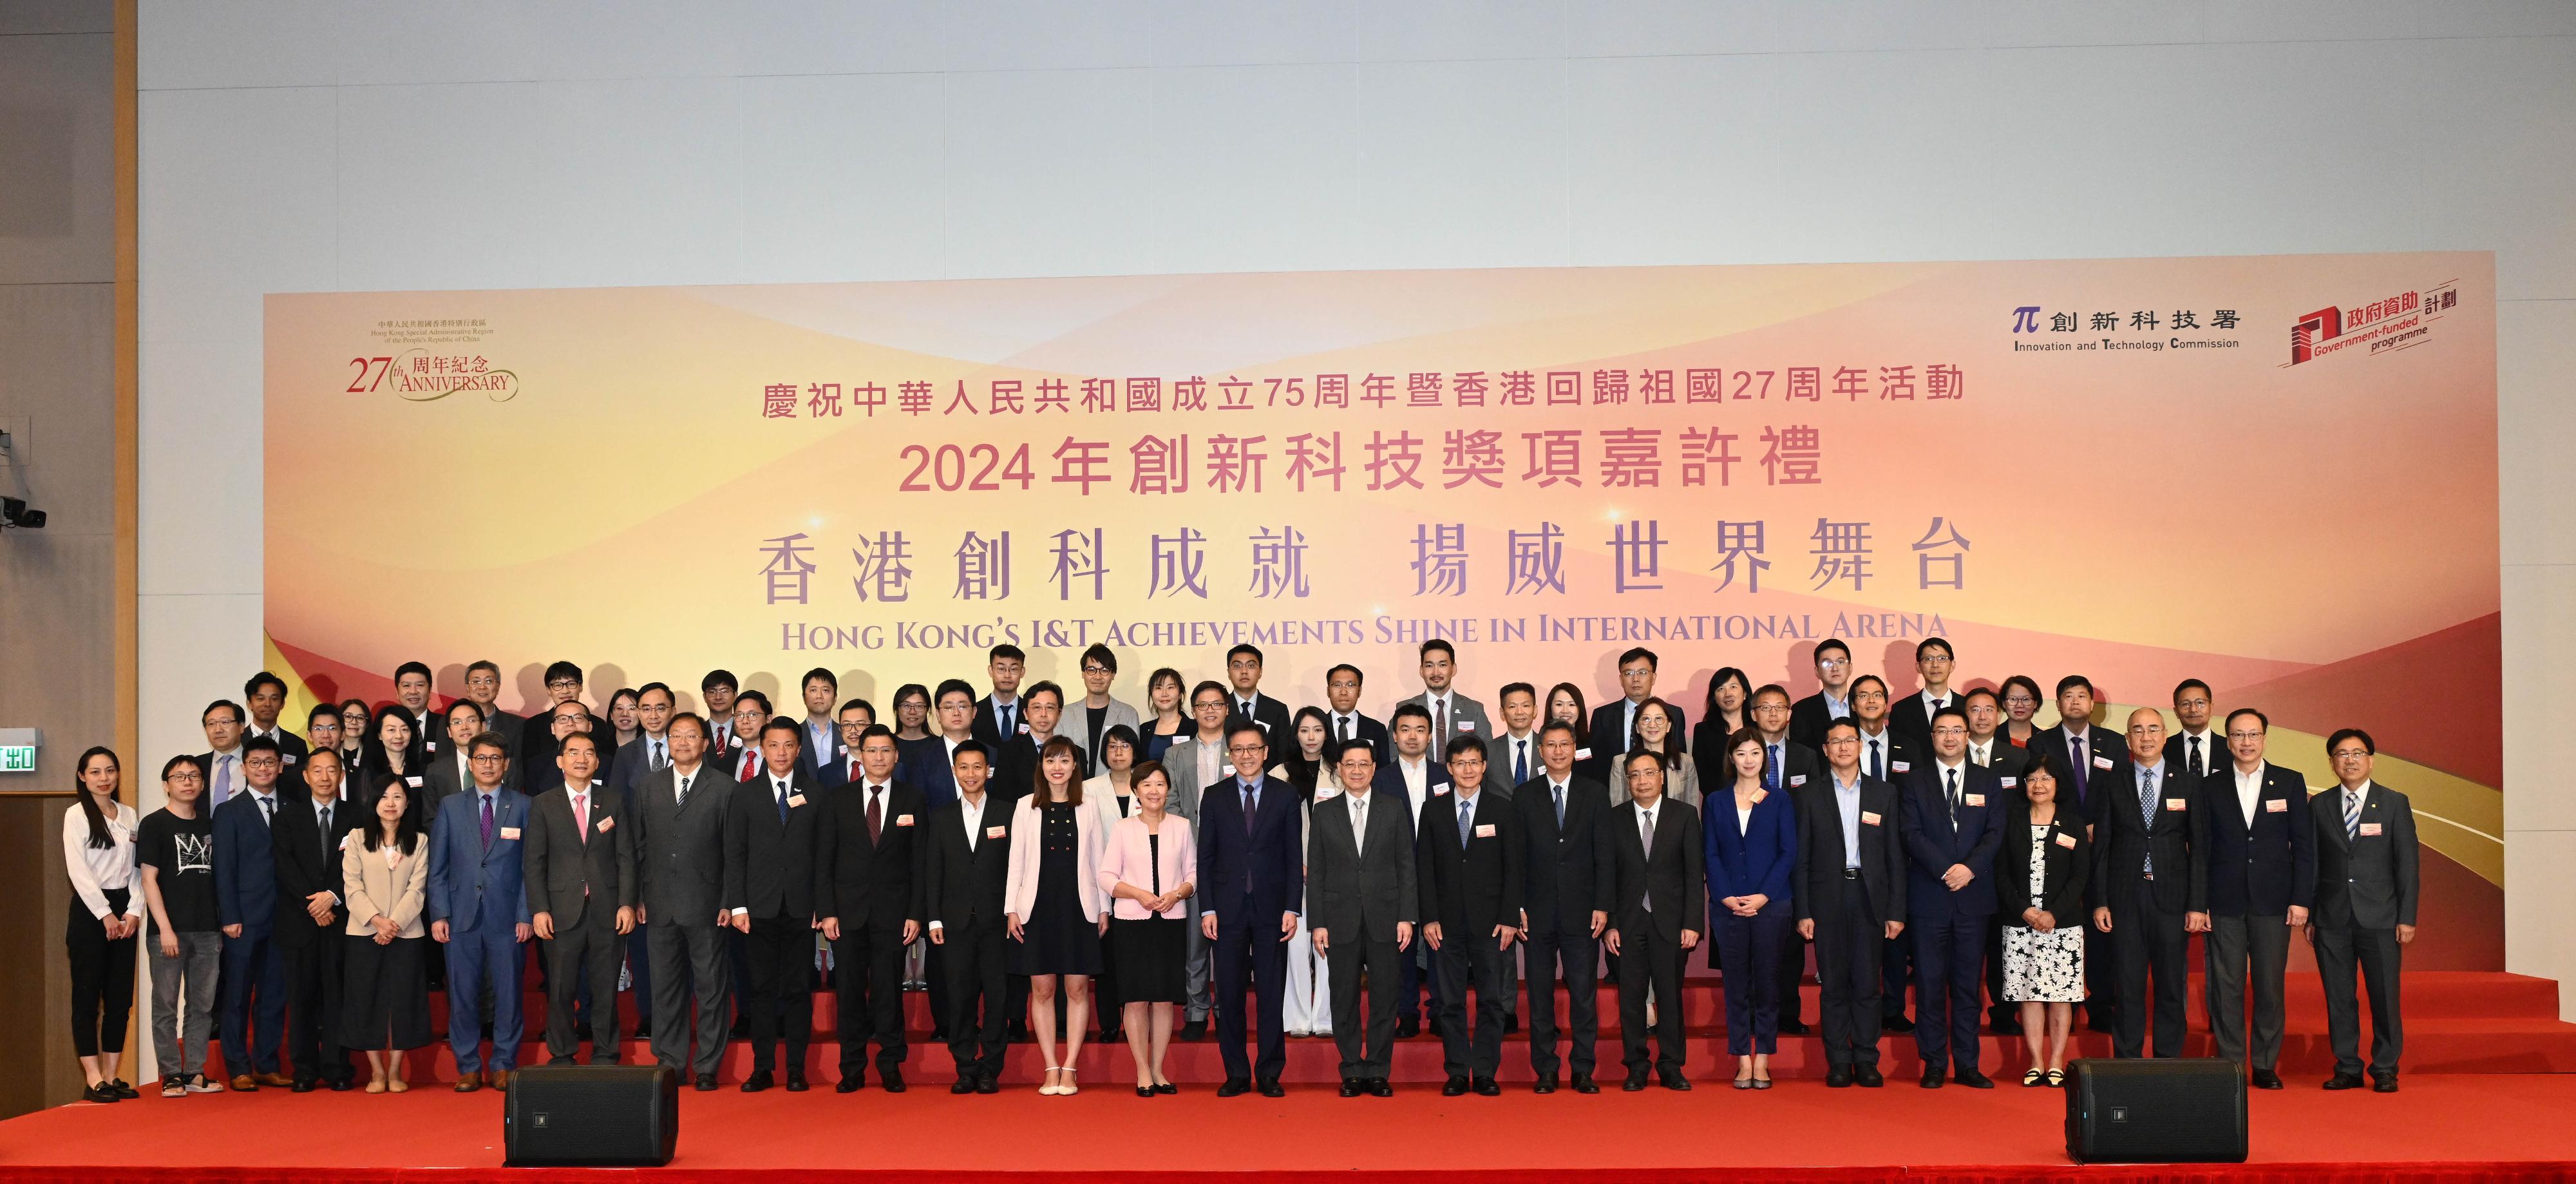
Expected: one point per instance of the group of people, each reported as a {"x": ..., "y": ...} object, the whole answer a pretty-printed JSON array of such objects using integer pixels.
[{"x": 1037, "y": 861}]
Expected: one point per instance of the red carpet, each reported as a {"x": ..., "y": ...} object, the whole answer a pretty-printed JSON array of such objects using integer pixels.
[{"x": 2458, "y": 1127}]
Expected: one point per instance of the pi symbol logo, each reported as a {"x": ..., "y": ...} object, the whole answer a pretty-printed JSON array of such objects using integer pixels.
[{"x": 2026, "y": 319}]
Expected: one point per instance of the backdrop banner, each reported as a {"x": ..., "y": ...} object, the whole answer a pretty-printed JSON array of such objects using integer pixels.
[{"x": 2276, "y": 474}]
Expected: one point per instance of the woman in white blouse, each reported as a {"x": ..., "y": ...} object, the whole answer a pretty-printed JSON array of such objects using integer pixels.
[
  {"x": 1116, "y": 801},
  {"x": 106, "y": 914},
  {"x": 1308, "y": 1007}
]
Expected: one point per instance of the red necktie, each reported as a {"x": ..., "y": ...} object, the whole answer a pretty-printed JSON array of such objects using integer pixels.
[
  {"x": 750, "y": 760},
  {"x": 876, "y": 819}
]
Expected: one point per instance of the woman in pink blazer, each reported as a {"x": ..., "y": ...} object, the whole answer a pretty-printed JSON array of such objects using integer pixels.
[
  {"x": 1053, "y": 906},
  {"x": 1152, "y": 865}
]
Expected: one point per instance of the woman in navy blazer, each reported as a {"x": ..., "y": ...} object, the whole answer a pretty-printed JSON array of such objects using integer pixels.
[{"x": 1752, "y": 841}]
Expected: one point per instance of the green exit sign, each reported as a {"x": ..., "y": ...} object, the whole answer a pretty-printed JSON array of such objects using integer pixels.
[{"x": 17, "y": 758}]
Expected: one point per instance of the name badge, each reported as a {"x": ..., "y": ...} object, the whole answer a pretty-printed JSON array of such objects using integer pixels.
[
  {"x": 2101, "y": 762},
  {"x": 2277, "y": 806},
  {"x": 1868, "y": 818},
  {"x": 995, "y": 832},
  {"x": 429, "y": 745},
  {"x": 1583, "y": 754},
  {"x": 1798, "y": 780},
  {"x": 286, "y": 758},
  {"x": 1024, "y": 729},
  {"x": 347, "y": 838},
  {"x": 1466, "y": 725},
  {"x": 903, "y": 820},
  {"x": 1484, "y": 830},
  {"x": 2066, "y": 841},
  {"x": 510, "y": 832},
  {"x": 606, "y": 825},
  {"x": 2010, "y": 782},
  {"x": 1901, "y": 766},
  {"x": 2370, "y": 828},
  {"x": 2176, "y": 803},
  {"x": 1760, "y": 794},
  {"x": 1439, "y": 790},
  {"x": 794, "y": 800},
  {"x": 412, "y": 781},
  {"x": 1976, "y": 799}
]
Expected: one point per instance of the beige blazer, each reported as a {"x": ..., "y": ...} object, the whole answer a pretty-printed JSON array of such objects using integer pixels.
[{"x": 379, "y": 881}]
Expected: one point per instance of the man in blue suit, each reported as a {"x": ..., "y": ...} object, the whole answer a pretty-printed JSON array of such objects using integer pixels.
[
  {"x": 478, "y": 907},
  {"x": 930, "y": 766},
  {"x": 254, "y": 977},
  {"x": 1252, "y": 885},
  {"x": 1954, "y": 820}
]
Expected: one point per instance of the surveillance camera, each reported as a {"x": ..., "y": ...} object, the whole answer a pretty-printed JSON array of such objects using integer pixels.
[{"x": 14, "y": 512}]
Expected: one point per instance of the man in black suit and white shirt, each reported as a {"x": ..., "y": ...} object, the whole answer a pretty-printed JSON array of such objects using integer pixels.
[
  {"x": 681, "y": 814},
  {"x": 1469, "y": 860},
  {"x": 1614, "y": 724},
  {"x": 1655, "y": 873},
  {"x": 311, "y": 915},
  {"x": 769, "y": 890},
  {"x": 871, "y": 882},
  {"x": 1361, "y": 884},
  {"x": 2262, "y": 878},
  {"x": 2151, "y": 884},
  {"x": 1987, "y": 749},
  {"x": 1562, "y": 915},
  {"x": 1886, "y": 755},
  {"x": 2194, "y": 746},
  {"x": 1850, "y": 901},
  {"x": 1342, "y": 718},
  {"x": 1245, "y": 701},
  {"x": 1000, "y": 716},
  {"x": 965, "y": 874},
  {"x": 1808, "y": 720},
  {"x": 1913, "y": 716},
  {"x": 2367, "y": 884},
  {"x": 266, "y": 695},
  {"x": 578, "y": 862}
]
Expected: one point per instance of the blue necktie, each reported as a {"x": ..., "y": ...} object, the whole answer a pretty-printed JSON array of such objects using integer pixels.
[
  {"x": 1771, "y": 774},
  {"x": 1520, "y": 761},
  {"x": 1466, "y": 821},
  {"x": 1251, "y": 807},
  {"x": 782, "y": 803},
  {"x": 1559, "y": 792},
  {"x": 2147, "y": 811}
]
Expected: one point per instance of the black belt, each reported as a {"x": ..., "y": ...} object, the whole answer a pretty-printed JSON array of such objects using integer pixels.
[{"x": 1851, "y": 873}]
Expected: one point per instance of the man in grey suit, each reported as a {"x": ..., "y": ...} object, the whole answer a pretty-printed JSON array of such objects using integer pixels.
[
  {"x": 648, "y": 753},
  {"x": 2367, "y": 884},
  {"x": 1099, "y": 669},
  {"x": 581, "y": 897},
  {"x": 680, "y": 814},
  {"x": 1361, "y": 884},
  {"x": 1195, "y": 762},
  {"x": 1452, "y": 714}
]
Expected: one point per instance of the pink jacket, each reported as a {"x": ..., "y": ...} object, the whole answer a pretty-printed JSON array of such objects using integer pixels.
[
  {"x": 1020, "y": 893},
  {"x": 1128, "y": 860}
]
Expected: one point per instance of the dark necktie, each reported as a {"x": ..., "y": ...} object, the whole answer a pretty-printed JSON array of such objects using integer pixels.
[
  {"x": 876, "y": 817},
  {"x": 2196, "y": 770},
  {"x": 1466, "y": 821},
  {"x": 326, "y": 833},
  {"x": 487, "y": 819},
  {"x": 1250, "y": 804},
  {"x": 268, "y": 812},
  {"x": 1002, "y": 717},
  {"x": 1953, "y": 776},
  {"x": 660, "y": 759},
  {"x": 1520, "y": 761},
  {"x": 1439, "y": 720},
  {"x": 684, "y": 791},
  {"x": 1559, "y": 792},
  {"x": 782, "y": 803},
  {"x": 1771, "y": 769},
  {"x": 1875, "y": 769},
  {"x": 2075, "y": 745},
  {"x": 1341, "y": 728},
  {"x": 2147, "y": 813}
]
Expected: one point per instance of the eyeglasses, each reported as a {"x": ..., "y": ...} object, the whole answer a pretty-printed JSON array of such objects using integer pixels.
[
  {"x": 563, "y": 684},
  {"x": 480, "y": 757},
  {"x": 2020, "y": 701},
  {"x": 1241, "y": 750},
  {"x": 1096, "y": 670},
  {"x": 1833, "y": 661}
]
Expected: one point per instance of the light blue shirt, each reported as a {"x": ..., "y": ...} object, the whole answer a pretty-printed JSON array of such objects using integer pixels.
[{"x": 1847, "y": 802}]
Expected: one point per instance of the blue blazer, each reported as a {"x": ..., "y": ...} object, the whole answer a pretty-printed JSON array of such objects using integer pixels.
[
  {"x": 924, "y": 765},
  {"x": 245, "y": 867},
  {"x": 466, "y": 878},
  {"x": 1932, "y": 845},
  {"x": 1759, "y": 859},
  {"x": 1268, "y": 863}
]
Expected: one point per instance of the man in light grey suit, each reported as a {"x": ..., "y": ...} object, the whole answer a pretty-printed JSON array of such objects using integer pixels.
[
  {"x": 1195, "y": 762},
  {"x": 1452, "y": 714},
  {"x": 680, "y": 814},
  {"x": 1099, "y": 669},
  {"x": 1362, "y": 899}
]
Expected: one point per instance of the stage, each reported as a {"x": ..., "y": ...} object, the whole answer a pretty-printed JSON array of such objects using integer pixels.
[{"x": 2442, "y": 1126}]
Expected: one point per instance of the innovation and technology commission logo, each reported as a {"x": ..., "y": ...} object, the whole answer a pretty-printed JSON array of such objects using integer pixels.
[
  {"x": 430, "y": 359},
  {"x": 2386, "y": 325}
]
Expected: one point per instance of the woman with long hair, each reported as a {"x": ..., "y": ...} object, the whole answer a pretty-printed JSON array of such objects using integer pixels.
[
  {"x": 911, "y": 707},
  {"x": 1113, "y": 794},
  {"x": 392, "y": 750},
  {"x": 1170, "y": 725},
  {"x": 1655, "y": 734},
  {"x": 1307, "y": 1009},
  {"x": 106, "y": 913},
  {"x": 1150, "y": 868},
  {"x": 1053, "y": 908},
  {"x": 1751, "y": 842},
  {"x": 384, "y": 876},
  {"x": 621, "y": 716},
  {"x": 1728, "y": 710},
  {"x": 1565, "y": 702}
]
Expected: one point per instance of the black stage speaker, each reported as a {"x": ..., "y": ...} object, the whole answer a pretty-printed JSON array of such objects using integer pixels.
[
  {"x": 591, "y": 1116},
  {"x": 2155, "y": 1111}
]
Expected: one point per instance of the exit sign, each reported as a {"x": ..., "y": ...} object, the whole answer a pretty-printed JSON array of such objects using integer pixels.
[{"x": 17, "y": 758}]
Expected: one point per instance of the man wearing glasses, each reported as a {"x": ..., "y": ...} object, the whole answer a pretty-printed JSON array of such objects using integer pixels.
[
  {"x": 1198, "y": 764},
  {"x": 1100, "y": 712},
  {"x": 1813, "y": 714},
  {"x": 1252, "y": 883},
  {"x": 849, "y": 725},
  {"x": 536, "y": 748},
  {"x": 1933, "y": 662},
  {"x": 483, "y": 686}
]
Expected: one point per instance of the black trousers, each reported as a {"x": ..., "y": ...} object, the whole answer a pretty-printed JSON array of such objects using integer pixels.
[
  {"x": 1648, "y": 959},
  {"x": 1464, "y": 962},
  {"x": 2233, "y": 947},
  {"x": 1949, "y": 957},
  {"x": 315, "y": 974},
  {"x": 102, "y": 978},
  {"x": 1896, "y": 972},
  {"x": 1850, "y": 939},
  {"x": 594, "y": 947},
  {"x": 1249, "y": 957},
  {"x": 969, "y": 962},
  {"x": 1367, "y": 1051},
  {"x": 2147, "y": 939},
  {"x": 868, "y": 980},
  {"x": 1997, "y": 1007},
  {"x": 2376, "y": 954},
  {"x": 782, "y": 977},
  {"x": 1576, "y": 956},
  {"x": 1792, "y": 974}
]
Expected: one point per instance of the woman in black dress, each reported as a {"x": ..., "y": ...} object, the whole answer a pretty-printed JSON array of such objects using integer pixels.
[
  {"x": 1053, "y": 905},
  {"x": 1149, "y": 869},
  {"x": 384, "y": 873}
]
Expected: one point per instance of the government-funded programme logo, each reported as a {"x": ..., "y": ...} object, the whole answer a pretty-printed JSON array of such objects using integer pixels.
[{"x": 2386, "y": 325}]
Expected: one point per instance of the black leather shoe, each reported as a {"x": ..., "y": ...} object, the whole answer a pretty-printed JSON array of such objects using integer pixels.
[
  {"x": 1407, "y": 1027},
  {"x": 1973, "y": 1079},
  {"x": 891, "y": 1078},
  {"x": 1195, "y": 1030},
  {"x": 1454, "y": 1087},
  {"x": 1933, "y": 1078},
  {"x": 1897, "y": 1023},
  {"x": 1350, "y": 1088},
  {"x": 758, "y": 1081},
  {"x": 1271, "y": 1089},
  {"x": 2344, "y": 1081},
  {"x": 2384, "y": 1085},
  {"x": 706, "y": 1082},
  {"x": 963, "y": 1085},
  {"x": 1234, "y": 1087},
  {"x": 849, "y": 1083},
  {"x": 2266, "y": 1079},
  {"x": 1544, "y": 1085},
  {"x": 1486, "y": 1087},
  {"x": 126, "y": 1091},
  {"x": 339, "y": 1085},
  {"x": 1167, "y": 1089},
  {"x": 1635, "y": 1083},
  {"x": 100, "y": 1093},
  {"x": 1868, "y": 1076},
  {"x": 988, "y": 1084},
  {"x": 1584, "y": 1084},
  {"x": 1381, "y": 1087},
  {"x": 303, "y": 1085},
  {"x": 1793, "y": 1027},
  {"x": 1674, "y": 1080},
  {"x": 1511, "y": 1024},
  {"x": 1838, "y": 1077},
  {"x": 796, "y": 1083}
]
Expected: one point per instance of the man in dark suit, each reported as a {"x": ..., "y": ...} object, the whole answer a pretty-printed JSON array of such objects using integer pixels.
[
  {"x": 2262, "y": 878},
  {"x": 871, "y": 867},
  {"x": 1245, "y": 700},
  {"x": 311, "y": 917},
  {"x": 1001, "y": 716},
  {"x": 1808, "y": 720},
  {"x": 1887, "y": 755},
  {"x": 849, "y": 724},
  {"x": 1362, "y": 885},
  {"x": 680, "y": 813},
  {"x": 581, "y": 898},
  {"x": 1987, "y": 748},
  {"x": 1954, "y": 822},
  {"x": 266, "y": 695},
  {"x": 2194, "y": 746},
  {"x": 483, "y": 685},
  {"x": 930, "y": 766},
  {"x": 1614, "y": 724},
  {"x": 1415, "y": 776},
  {"x": 1342, "y": 718},
  {"x": 478, "y": 909},
  {"x": 1562, "y": 915},
  {"x": 2367, "y": 885},
  {"x": 1788, "y": 767},
  {"x": 1913, "y": 715},
  {"x": 2151, "y": 884},
  {"x": 769, "y": 891},
  {"x": 820, "y": 746},
  {"x": 1469, "y": 860},
  {"x": 535, "y": 755},
  {"x": 253, "y": 982},
  {"x": 966, "y": 871},
  {"x": 1015, "y": 759},
  {"x": 1850, "y": 901},
  {"x": 568, "y": 718},
  {"x": 1252, "y": 879},
  {"x": 739, "y": 757},
  {"x": 2087, "y": 753},
  {"x": 450, "y": 770},
  {"x": 1655, "y": 883}
]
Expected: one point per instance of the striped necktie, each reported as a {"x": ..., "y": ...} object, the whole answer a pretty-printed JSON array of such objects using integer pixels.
[{"x": 2351, "y": 815}]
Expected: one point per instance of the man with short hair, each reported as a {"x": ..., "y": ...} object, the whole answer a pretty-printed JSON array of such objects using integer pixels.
[
  {"x": 2193, "y": 747},
  {"x": 1361, "y": 872},
  {"x": 966, "y": 872},
  {"x": 478, "y": 908},
  {"x": 1561, "y": 912},
  {"x": 581, "y": 898},
  {"x": 2090, "y": 756},
  {"x": 1252, "y": 884},
  {"x": 307, "y": 837},
  {"x": 1412, "y": 779},
  {"x": 266, "y": 695},
  {"x": 820, "y": 746},
  {"x": 246, "y": 905},
  {"x": 174, "y": 856},
  {"x": 1469, "y": 860},
  {"x": 1850, "y": 901},
  {"x": 2150, "y": 887},
  {"x": 1511, "y": 753},
  {"x": 412, "y": 691},
  {"x": 1933, "y": 663},
  {"x": 650, "y": 750},
  {"x": 1987, "y": 749},
  {"x": 1787, "y": 767},
  {"x": 563, "y": 721},
  {"x": 769, "y": 890},
  {"x": 1887, "y": 755},
  {"x": 1342, "y": 718},
  {"x": 718, "y": 690},
  {"x": 2262, "y": 880},
  {"x": 680, "y": 814},
  {"x": 999, "y": 716},
  {"x": 1042, "y": 707},
  {"x": 1451, "y": 714},
  {"x": 222, "y": 721},
  {"x": 871, "y": 863},
  {"x": 1953, "y": 824},
  {"x": 1808, "y": 720},
  {"x": 1655, "y": 874},
  {"x": 850, "y": 723},
  {"x": 483, "y": 685},
  {"x": 1197, "y": 763},
  {"x": 2368, "y": 881},
  {"x": 1614, "y": 724},
  {"x": 1245, "y": 701},
  {"x": 740, "y": 760},
  {"x": 932, "y": 763}
]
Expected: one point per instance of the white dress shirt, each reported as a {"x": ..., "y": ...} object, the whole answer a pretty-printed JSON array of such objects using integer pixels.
[
  {"x": 2249, "y": 791},
  {"x": 96, "y": 871},
  {"x": 1359, "y": 822}
]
